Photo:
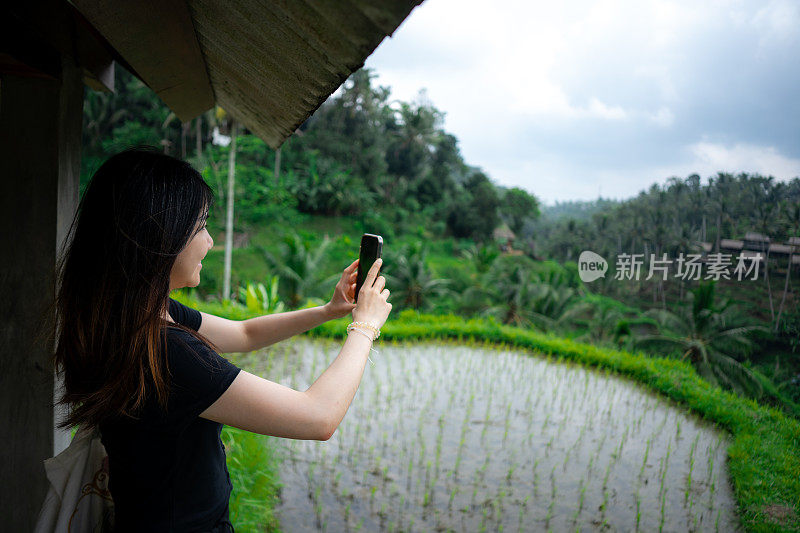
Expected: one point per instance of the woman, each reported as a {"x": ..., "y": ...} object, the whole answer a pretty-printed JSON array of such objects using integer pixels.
[{"x": 146, "y": 370}]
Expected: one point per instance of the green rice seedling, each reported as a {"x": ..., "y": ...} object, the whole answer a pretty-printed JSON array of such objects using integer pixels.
[
  {"x": 484, "y": 466},
  {"x": 711, "y": 490},
  {"x": 605, "y": 477},
  {"x": 510, "y": 473},
  {"x": 482, "y": 527},
  {"x": 549, "y": 444},
  {"x": 427, "y": 472},
  {"x": 710, "y": 467},
  {"x": 691, "y": 470},
  {"x": 318, "y": 514},
  {"x": 622, "y": 443},
  {"x": 644, "y": 461}
]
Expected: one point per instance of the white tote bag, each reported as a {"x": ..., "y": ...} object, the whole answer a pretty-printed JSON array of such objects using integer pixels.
[{"x": 78, "y": 500}]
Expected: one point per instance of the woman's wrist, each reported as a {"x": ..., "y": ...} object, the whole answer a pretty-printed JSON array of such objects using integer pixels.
[
  {"x": 328, "y": 312},
  {"x": 368, "y": 326},
  {"x": 362, "y": 333},
  {"x": 365, "y": 333}
]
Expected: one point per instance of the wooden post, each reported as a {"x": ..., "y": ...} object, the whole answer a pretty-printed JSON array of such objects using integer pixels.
[{"x": 40, "y": 142}]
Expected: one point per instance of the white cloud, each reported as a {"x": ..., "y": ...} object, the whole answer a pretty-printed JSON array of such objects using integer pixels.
[
  {"x": 535, "y": 90},
  {"x": 664, "y": 117},
  {"x": 778, "y": 21},
  {"x": 711, "y": 158},
  {"x": 601, "y": 110}
]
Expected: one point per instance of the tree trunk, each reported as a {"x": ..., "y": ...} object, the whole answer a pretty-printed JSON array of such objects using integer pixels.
[
  {"x": 198, "y": 136},
  {"x": 278, "y": 167},
  {"x": 184, "y": 133},
  {"x": 785, "y": 289},
  {"x": 226, "y": 282},
  {"x": 703, "y": 238},
  {"x": 769, "y": 286}
]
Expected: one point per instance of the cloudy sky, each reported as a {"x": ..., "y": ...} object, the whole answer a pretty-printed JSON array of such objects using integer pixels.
[{"x": 571, "y": 100}]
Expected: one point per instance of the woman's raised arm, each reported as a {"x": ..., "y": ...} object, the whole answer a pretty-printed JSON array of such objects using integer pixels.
[
  {"x": 262, "y": 406},
  {"x": 255, "y": 333}
]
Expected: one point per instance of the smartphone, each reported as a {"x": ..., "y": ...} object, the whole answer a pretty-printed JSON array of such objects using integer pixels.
[{"x": 371, "y": 248}]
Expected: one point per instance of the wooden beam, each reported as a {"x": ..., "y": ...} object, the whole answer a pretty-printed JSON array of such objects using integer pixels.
[
  {"x": 157, "y": 38},
  {"x": 34, "y": 36},
  {"x": 95, "y": 55}
]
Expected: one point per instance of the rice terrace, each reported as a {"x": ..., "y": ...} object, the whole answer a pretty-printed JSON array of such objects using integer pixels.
[
  {"x": 469, "y": 425},
  {"x": 476, "y": 439}
]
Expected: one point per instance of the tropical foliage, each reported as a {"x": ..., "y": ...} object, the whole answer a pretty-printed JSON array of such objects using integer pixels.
[
  {"x": 298, "y": 264},
  {"x": 712, "y": 337}
]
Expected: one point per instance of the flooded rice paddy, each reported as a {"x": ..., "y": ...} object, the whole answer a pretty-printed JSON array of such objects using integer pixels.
[{"x": 445, "y": 437}]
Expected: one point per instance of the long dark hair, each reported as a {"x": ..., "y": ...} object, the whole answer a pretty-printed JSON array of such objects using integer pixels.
[{"x": 140, "y": 210}]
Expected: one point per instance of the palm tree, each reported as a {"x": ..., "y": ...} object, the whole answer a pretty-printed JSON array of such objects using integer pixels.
[
  {"x": 411, "y": 279},
  {"x": 518, "y": 296},
  {"x": 481, "y": 256},
  {"x": 606, "y": 323},
  {"x": 709, "y": 336},
  {"x": 298, "y": 266}
]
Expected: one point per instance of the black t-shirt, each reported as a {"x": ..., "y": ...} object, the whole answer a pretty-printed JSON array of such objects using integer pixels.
[{"x": 167, "y": 468}]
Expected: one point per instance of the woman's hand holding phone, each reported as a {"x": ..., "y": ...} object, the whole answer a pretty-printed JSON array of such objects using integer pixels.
[
  {"x": 372, "y": 305},
  {"x": 343, "y": 294}
]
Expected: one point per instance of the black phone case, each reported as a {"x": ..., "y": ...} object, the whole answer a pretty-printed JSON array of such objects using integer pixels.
[{"x": 366, "y": 261}]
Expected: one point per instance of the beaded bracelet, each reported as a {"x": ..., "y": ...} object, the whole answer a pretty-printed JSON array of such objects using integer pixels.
[
  {"x": 367, "y": 336},
  {"x": 368, "y": 325}
]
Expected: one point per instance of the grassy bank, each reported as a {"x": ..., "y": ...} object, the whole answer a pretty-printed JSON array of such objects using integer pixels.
[
  {"x": 253, "y": 467},
  {"x": 764, "y": 459}
]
